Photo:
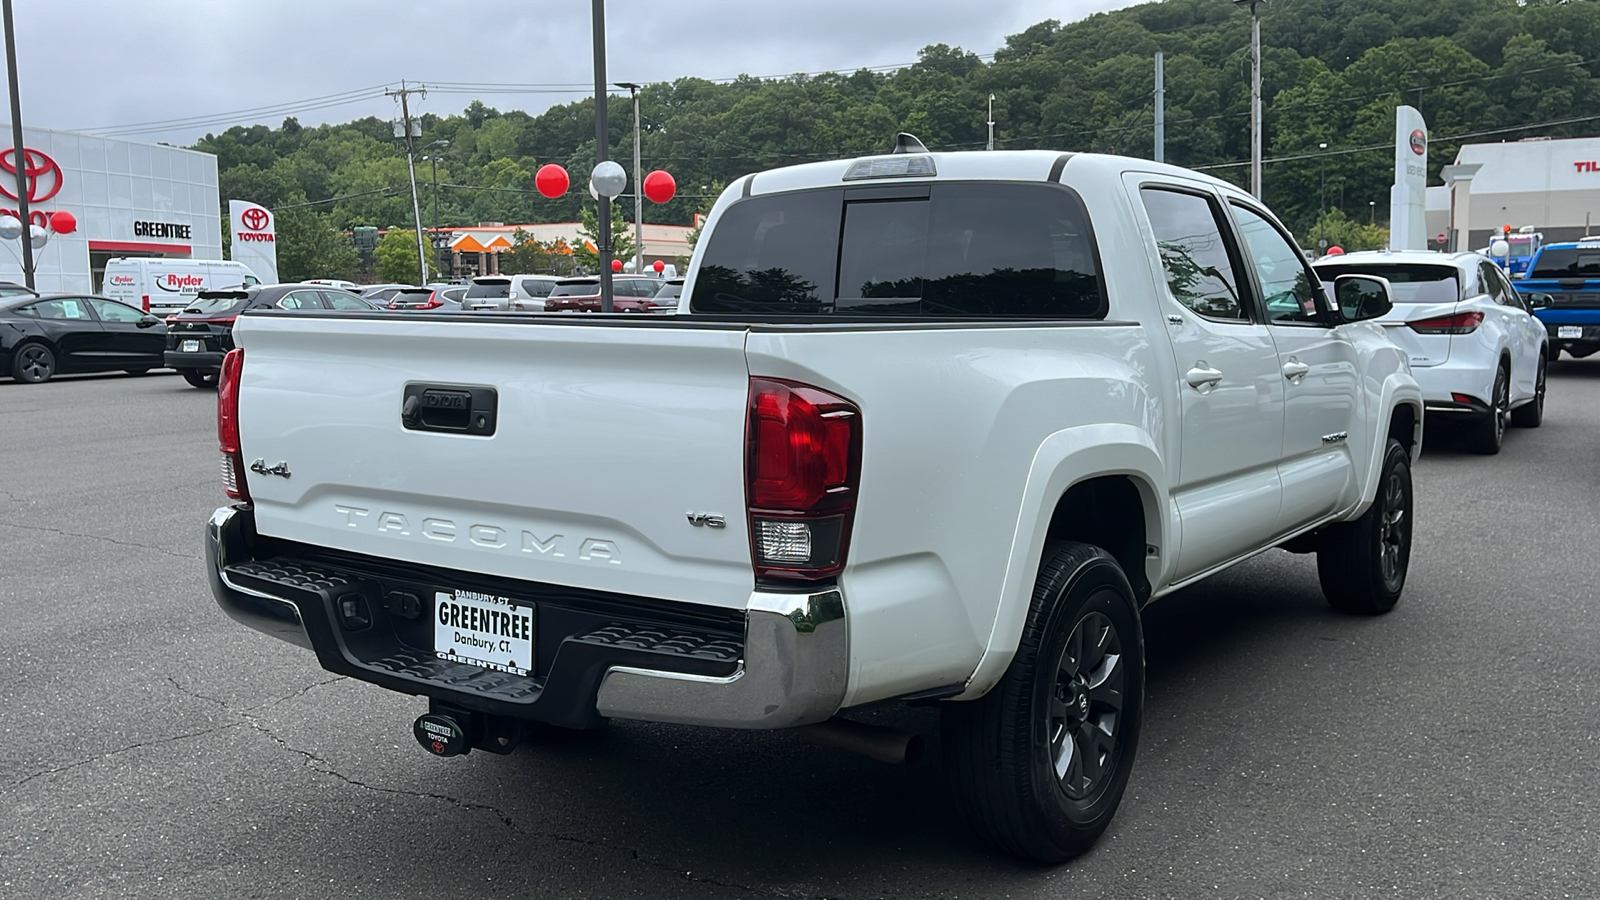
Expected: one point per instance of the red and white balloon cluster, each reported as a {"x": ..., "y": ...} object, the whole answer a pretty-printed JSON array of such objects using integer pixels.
[
  {"x": 59, "y": 222},
  {"x": 552, "y": 181}
]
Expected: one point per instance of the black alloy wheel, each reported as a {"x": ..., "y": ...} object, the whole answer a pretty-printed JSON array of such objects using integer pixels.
[
  {"x": 1531, "y": 414},
  {"x": 33, "y": 364},
  {"x": 1491, "y": 431},
  {"x": 1084, "y": 718},
  {"x": 1039, "y": 764},
  {"x": 1362, "y": 565}
]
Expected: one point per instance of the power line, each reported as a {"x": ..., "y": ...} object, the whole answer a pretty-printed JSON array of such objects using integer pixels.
[{"x": 272, "y": 109}]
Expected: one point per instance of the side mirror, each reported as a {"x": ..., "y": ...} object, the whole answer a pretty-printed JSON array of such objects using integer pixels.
[
  {"x": 149, "y": 321},
  {"x": 1362, "y": 297},
  {"x": 1540, "y": 301}
]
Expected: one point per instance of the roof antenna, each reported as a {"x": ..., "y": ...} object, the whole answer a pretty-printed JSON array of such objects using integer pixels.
[{"x": 907, "y": 143}]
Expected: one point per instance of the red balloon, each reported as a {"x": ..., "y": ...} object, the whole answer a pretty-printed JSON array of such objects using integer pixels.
[
  {"x": 63, "y": 222},
  {"x": 551, "y": 180},
  {"x": 616, "y": 265},
  {"x": 659, "y": 186},
  {"x": 658, "y": 265},
  {"x": 1335, "y": 251}
]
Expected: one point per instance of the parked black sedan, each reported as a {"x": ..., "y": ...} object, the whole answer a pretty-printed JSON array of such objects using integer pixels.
[
  {"x": 43, "y": 335},
  {"x": 200, "y": 336}
]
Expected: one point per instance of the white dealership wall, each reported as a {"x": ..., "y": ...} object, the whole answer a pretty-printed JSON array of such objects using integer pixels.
[
  {"x": 1549, "y": 184},
  {"x": 109, "y": 185}
]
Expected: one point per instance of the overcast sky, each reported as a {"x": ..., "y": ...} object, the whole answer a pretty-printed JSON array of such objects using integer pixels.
[{"x": 96, "y": 65}]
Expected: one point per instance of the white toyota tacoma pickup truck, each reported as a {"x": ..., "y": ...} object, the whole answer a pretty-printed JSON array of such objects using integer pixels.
[{"x": 927, "y": 427}]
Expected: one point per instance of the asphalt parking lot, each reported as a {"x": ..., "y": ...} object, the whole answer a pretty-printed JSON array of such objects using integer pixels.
[{"x": 155, "y": 748}]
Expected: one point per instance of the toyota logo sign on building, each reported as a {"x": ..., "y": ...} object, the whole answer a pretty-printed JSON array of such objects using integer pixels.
[
  {"x": 255, "y": 218},
  {"x": 102, "y": 199},
  {"x": 42, "y": 174}
]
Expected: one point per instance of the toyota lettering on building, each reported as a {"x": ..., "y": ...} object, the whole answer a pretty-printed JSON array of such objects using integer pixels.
[{"x": 100, "y": 199}]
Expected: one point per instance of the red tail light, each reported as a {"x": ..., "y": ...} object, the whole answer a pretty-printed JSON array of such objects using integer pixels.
[
  {"x": 146, "y": 300},
  {"x": 228, "y": 426},
  {"x": 228, "y": 321},
  {"x": 802, "y": 469},
  {"x": 1460, "y": 323}
]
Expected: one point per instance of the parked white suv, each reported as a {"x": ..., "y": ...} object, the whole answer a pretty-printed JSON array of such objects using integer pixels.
[
  {"x": 1474, "y": 344},
  {"x": 523, "y": 293}
]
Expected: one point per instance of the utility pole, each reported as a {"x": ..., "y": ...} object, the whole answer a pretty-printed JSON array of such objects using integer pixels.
[
  {"x": 991, "y": 123},
  {"x": 638, "y": 186},
  {"x": 404, "y": 93},
  {"x": 1161, "y": 106},
  {"x": 601, "y": 139},
  {"x": 19, "y": 155},
  {"x": 1322, "y": 177},
  {"x": 1255, "y": 95}
]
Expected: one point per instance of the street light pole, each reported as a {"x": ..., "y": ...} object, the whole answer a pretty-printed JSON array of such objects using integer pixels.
[
  {"x": 19, "y": 154},
  {"x": 1322, "y": 179},
  {"x": 1255, "y": 95},
  {"x": 601, "y": 139},
  {"x": 991, "y": 123},
  {"x": 638, "y": 186}
]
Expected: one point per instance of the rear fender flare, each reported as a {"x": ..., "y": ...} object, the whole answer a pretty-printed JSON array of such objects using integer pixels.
[{"x": 1064, "y": 459}]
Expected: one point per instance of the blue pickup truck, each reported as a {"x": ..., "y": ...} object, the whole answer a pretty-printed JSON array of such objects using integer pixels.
[{"x": 1563, "y": 289}]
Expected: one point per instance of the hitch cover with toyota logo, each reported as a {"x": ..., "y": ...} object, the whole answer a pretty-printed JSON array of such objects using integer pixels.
[{"x": 451, "y": 408}]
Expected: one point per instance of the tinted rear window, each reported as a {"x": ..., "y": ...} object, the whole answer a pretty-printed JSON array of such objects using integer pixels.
[
  {"x": 539, "y": 288},
  {"x": 965, "y": 250},
  {"x": 489, "y": 289},
  {"x": 1567, "y": 262},
  {"x": 580, "y": 289},
  {"x": 1407, "y": 284},
  {"x": 212, "y": 305}
]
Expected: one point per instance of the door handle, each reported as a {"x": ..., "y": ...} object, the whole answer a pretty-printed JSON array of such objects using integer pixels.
[
  {"x": 1294, "y": 370},
  {"x": 1202, "y": 377}
]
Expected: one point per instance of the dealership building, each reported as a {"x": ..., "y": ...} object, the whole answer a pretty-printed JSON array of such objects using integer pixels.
[
  {"x": 122, "y": 198},
  {"x": 1549, "y": 184}
]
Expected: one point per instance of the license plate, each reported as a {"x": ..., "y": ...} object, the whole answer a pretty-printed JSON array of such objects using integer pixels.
[
  {"x": 1569, "y": 331},
  {"x": 483, "y": 630},
  {"x": 191, "y": 347}
]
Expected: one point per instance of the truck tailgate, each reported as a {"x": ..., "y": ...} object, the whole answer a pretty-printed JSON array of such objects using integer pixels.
[{"x": 607, "y": 437}]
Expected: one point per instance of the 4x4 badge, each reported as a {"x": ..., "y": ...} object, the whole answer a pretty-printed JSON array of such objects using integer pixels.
[{"x": 260, "y": 467}]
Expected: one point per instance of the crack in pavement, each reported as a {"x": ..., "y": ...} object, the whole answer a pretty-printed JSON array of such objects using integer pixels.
[
  {"x": 120, "y": 750},
  {"x": 318, "y": 764},
  {"x": 99, "y": 537}
]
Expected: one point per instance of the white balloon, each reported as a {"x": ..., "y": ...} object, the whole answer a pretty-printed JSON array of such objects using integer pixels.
[
  {"x": 1499, "y": 247},
  {"x": 10, "y": 227},
  {"x": 38, "y": 236},
  {"x": 608, "y": 179}
]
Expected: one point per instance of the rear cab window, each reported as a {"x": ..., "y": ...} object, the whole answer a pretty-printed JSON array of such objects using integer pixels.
[
  {"x": 1567, "y": 262},
  {"x": 945, "y": 250}
]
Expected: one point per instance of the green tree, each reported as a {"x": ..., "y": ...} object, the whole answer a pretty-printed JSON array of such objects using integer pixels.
[
  {"x": 526, "y": 256},
  {"x": 1340, "y": 231},
  {"x": 310, "y": 247},
  {"x": 621, "y": 238},
  {"x": 395, "y": 258}
]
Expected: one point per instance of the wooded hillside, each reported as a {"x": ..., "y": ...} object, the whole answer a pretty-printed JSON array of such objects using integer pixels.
[{"x": 1334, "y": 70}]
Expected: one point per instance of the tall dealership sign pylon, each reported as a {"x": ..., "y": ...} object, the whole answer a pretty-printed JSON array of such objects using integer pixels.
[{"x": 1408, "y": 227}]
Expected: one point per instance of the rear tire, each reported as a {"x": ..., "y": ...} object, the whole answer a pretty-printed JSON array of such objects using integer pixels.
[
  {"x": 1490, "y": 433},
  {"x": 200, "y": 378},
  {"x": 1531, "y": 414},
  {"x": 33, "y": 363},
  {"x": 1363, "y": 564},
  {"x": 1040, "y": 763}
]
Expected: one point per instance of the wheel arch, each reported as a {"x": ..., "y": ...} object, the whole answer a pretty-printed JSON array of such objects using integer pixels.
[{"x": 1104, "y": 485}]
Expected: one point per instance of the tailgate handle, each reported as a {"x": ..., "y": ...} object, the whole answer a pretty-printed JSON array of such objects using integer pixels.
[{"x": 450, "y": 408}]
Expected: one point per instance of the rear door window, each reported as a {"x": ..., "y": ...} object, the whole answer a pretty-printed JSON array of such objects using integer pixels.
[
  {"x": 970, "y": 250},
  {"x": 342, "y": 300},
  {"x": 1193, "y": 253},
  {"x": 301, "y": 300}
]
